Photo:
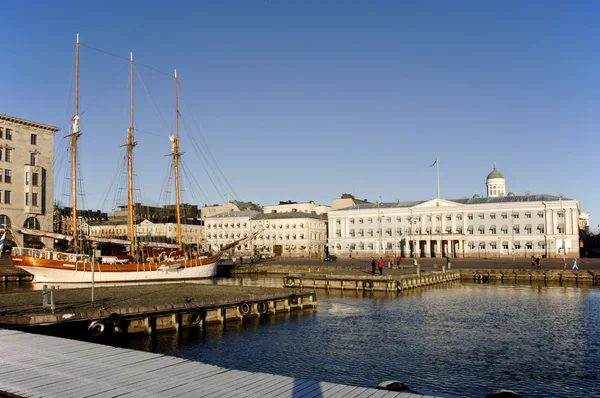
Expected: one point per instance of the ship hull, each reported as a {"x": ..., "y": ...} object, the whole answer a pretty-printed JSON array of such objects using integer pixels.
[{"x": 55, "y": 271}]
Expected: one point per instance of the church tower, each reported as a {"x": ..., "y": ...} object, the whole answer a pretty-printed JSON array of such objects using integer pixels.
[{"x": 495, "y": 184}]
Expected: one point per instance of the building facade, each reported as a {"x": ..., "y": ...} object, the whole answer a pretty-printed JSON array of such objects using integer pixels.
[
  {"x": 495, "y": 226},
  {"x": 227, "y": 227},
  {"x": 27, "y": 175},
  {"x": 289, "y": 207}
]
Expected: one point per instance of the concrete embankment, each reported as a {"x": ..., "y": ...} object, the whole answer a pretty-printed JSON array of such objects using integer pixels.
[
  {"x": 147, "y": 308},
  {"x": 553, "y": 275}
]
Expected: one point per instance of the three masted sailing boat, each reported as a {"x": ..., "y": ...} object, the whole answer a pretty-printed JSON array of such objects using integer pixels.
[{"x": 56, "y": 266}]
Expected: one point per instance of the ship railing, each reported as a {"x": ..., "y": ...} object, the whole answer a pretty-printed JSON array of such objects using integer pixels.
[{"x": 51, "y": 255}]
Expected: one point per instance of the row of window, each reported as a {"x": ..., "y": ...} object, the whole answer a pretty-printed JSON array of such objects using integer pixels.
[
  {"x": 7, "y": 134},
  {"x": 6, "y": 155},
  {"x": 30, "y": 178},
  {"x": 448, "y": 217},
  {"x": 6, "y": 198},
  {"x": 267, "y": 226},
  {"x": 470, "y": 229}
]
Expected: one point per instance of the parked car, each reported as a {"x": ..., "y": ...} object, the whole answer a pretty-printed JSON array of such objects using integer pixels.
[{"x": 330, "y": 257}]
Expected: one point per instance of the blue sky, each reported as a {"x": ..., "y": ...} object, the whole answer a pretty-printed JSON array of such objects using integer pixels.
[{"x": 306, "y": 100}]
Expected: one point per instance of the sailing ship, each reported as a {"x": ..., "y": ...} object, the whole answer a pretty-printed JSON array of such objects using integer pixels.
[{"x": 71, "y": 266}]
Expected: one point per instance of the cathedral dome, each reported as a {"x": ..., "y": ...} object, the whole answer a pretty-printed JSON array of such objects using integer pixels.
[{"x": 495, "y": 174}]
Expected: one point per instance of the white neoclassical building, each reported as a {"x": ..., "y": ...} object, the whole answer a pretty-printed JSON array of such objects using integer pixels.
[{"x": 498, "y": 225}]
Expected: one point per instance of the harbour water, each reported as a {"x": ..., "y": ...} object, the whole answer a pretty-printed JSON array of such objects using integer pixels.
[{"x": 456, "y": 339}]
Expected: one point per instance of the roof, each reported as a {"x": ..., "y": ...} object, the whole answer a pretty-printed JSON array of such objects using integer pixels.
[
  {"x": 289, "y": 215},
  {"x": 29, "y": 123},
  {"x": 464, "y": 201},
  {"x": 233, "y": 214}
]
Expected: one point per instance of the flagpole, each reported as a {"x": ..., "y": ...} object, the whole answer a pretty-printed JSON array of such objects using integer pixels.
[{"x": 437, "y": 162}]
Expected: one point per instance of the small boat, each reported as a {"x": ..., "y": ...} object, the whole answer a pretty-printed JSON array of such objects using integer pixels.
[{"x": 50, "y": 266}]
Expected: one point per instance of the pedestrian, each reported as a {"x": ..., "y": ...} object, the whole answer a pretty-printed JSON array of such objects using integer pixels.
[
  {"x": 537, "y": 262},
  {"x": 575, "y": 264},
  {"x": 380, "y": 265},
  {"x": 373, "y": 265},
  {"x": 448, "y": 265},
  {"x": 532, "y": 261},
  {"x": 398, "y": 259}
]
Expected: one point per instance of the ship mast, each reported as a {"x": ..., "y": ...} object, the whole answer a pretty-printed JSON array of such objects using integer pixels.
[
  {"x": 176, "y": 155},
  {"x": 130, "y": 145},
  {"x": 74, "y": 136}
]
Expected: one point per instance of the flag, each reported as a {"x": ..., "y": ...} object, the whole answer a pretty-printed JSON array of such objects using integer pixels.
[
  {"x": 434, "y": 163},
  {"x": 2, "y": 242}
]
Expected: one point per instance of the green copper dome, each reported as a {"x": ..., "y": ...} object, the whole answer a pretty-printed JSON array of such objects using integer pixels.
[
  {"x": 476, "y": 196},
  {"x": 495, "y": 174}
]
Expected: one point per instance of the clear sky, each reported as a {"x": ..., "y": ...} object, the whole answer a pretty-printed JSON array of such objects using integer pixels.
[{"x": 307, "y": 100}]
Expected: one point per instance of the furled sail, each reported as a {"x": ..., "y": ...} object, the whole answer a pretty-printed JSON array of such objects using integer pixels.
[{"x": 45, "y": 234}]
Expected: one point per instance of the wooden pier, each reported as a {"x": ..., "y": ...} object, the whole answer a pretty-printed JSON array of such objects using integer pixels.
[
  {"x": 369, "y": 283},
  {"x": 159, "y": 318},
  {"x": 12, "y": 274},
  {"x": 43, "y": 366}
]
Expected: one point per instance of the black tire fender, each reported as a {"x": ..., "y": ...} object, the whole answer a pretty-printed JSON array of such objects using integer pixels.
[
  {"x": 263, "y": 307},
  {"x": 195, "y": 317},
  {"x": 114, "y": 319},
  {"x": 478, "y": 276},
  {"x": 244, "y": 308},
  {"x": 96, "y": 328},
  {"x": 293, "y": 299}
]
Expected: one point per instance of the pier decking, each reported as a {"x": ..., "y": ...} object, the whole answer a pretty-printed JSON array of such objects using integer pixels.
[{"x": 42, "y": 366}]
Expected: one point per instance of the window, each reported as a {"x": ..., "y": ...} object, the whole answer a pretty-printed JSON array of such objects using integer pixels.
[
  {"x": 1, "y": 132},
  {"x": 389, "y": 219},
  {"x": 27, "y": 178},
  {"x": 470, "y": 216},
  {"x": 360, "y": 220},
  {"x": 517, "y": 229},
  {"x": 504, "y": 215},
  {"x": 459, "y": 217},
  {"x": 515, "y": 215},
  {"x": 9, "y": 134},
  {"x": 481, "y": 216},
  {"x": 8, "y": 154},
  {"x": 493, "y": 229},
  {"x": 7, "y": 196},
  {"x": 361, "y": 232},
  {"x": 26, "y": 198},
  {"x": 470, "y": 229},
  {"x": 34, "y": 199},
  {"x": 517, "y": 245},
  {"x": 0, "y": 153},
  {"x": 7, "y": 175},
  {"x": 504, "y": 229},
  {"x": 540, "y": 214},
  {"x": 505, "y": 245},
  {"x": 528, "y": 228},
  {"x": 492, "y": 216},
  {"x": 399, "y": 219},
  {"x": 1, "y": 174},
  {"x": 370, "y": 220},
  {"x": 449, "y": 217},
  {"x": 352, "y": 221},
  {"x": 541, "y": 228},
  {"x": 33, "y": 139},
  {"x": 561, "y": 214},
  {"x": 438, "y": 217},
  {"x": 529, "y": 245},
  {"x": 561, "y": 228},
  {"x": 428, "y": 218},
  {"x": 528, "y": 214},
  {"x": 481, "y": 230}
]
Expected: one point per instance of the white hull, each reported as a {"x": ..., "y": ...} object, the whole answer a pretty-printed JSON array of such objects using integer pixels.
[{"x": 50, "y": 275}]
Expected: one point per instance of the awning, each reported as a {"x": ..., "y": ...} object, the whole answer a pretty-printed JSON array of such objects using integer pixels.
[
  {"x": 492, "y": 227},
  {"x": 482, "y": 227},
  {"x": 527, "y": 226},
  {"x": 470, "y": 228}
]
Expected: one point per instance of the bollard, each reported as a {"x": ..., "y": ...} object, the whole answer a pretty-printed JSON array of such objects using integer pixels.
[
  {"x": 443, "y": 269},
  {"x": 418, "y": 270},
  {"x": 52, "y": 304},
  {"x": 45, "y": 297}
]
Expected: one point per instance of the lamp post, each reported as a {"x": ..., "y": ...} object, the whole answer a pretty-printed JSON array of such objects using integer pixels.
[
  {"x": 564, "y": 217},
  {"x": 512, "y": 227},
  {"x": 380, "y": 228}
]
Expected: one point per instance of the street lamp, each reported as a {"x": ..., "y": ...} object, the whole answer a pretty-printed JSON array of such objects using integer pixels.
[
  {"x": 512, "y": 226},
  {"x": 563, "y": 232},
  {"x": 380, "y": 228}
]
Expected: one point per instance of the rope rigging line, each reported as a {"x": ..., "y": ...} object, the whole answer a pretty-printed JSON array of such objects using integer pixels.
[
  {"x": 207, "y": 150},
  {"x": 106, "y": 87},
  {"x": 126, "y": 59},
  {"x": 190, "y": 175},
  {"x": 151, "y": 98},
  {"x": 195, "y": 145}
]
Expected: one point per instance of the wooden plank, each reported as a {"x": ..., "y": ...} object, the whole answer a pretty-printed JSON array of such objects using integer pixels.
[
  {"x": 287, "y": 390},
  {"x": 257, "y": 379},
  {"x": 342, "y": 392},
  {"x": 358, "y": 391}
]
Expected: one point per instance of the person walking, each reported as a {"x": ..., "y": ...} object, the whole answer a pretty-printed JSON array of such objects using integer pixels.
[
  {"x": 575, "y": 264},
  {"x": 532, "y": 261},
  {"x": 380, "y": 265},
  {"x": 537, "y": 262},
  {"x": 373, "y": 265}
]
